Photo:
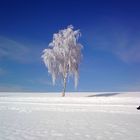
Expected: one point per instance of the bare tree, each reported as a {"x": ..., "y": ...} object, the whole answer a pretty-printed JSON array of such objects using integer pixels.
[{"x": 63, "y": 56}]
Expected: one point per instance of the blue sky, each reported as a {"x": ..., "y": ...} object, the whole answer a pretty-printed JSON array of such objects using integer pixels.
[{"x": 110, "y": 36}]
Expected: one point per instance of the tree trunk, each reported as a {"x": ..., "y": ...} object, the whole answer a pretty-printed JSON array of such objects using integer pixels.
[{"x": 64, "y": 87}]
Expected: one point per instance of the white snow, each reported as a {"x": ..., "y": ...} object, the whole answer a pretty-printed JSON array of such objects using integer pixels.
[{"x": 85, "y": 116}]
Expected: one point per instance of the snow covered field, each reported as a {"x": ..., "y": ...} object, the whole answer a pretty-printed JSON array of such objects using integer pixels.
[{"x": 86, "y": 116}]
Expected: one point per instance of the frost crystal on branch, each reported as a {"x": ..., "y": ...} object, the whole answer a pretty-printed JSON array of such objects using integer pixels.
[{"x": 63, "y": 56}]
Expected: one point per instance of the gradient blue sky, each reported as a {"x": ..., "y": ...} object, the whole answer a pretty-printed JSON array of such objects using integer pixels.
[{"x": 110, "y": 36}]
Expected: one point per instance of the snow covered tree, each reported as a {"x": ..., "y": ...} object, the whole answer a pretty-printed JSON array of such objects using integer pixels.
[{"x": 63, "y": 55}]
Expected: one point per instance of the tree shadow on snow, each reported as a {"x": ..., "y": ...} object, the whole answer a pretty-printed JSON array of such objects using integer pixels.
[{"x": 103, "y": 95}]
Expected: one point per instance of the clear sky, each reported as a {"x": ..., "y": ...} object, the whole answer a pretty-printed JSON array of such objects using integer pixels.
[{"x": 110, "y": 36}]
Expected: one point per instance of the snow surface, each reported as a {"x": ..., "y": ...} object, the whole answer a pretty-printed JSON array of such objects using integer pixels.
[{"x": 85, "y": 116}]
